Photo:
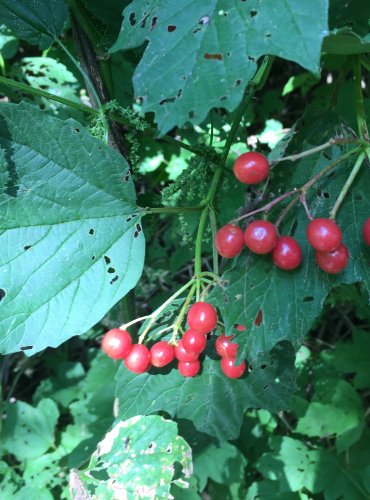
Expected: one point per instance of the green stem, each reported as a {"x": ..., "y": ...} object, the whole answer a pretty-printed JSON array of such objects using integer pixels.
[
  {"x": 360, "y": 108},
  {"x": 180, "y": 317},
  {"x": 154, "y": 316},
  {"x": 2, "y": 65},
  {"x": 212, "y": 218},
  {"x": 95, "y": 112},
  {"x": 258, "y": 80},
  {"x": 171, "y": 210},
  {"x": 347, "y": 185}
]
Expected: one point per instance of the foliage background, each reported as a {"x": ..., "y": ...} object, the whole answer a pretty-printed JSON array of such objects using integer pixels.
[{"x": 183, "y": 82}]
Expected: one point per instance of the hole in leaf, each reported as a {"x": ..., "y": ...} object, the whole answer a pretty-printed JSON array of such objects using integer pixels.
[
  {"x": 93, "y": 257},
  {"x": 143, "y": 22},
  {"x": 191, "y": 114},
  {"x": 168, "y": 99},
  {"x": 27, "y": 247},
  {"x": 237, "y": 83},
  {"x": 253, "y": 13},
  {"x": 26, "y": 347},
  {"x": 2, "y": 293},
  {"x": 259, "y": 317},
  {"x": 136, "y": 234},
  {"x": 107, "y": 259},
  {"x": 196, "y": 30},
  {"x": 268, "y": 35},
  {"x": 128, "y": 219},
  {"x": 111, "y": 270},
  {"x": 326, "y": 195},
  {"x": 251, "y": 58},
  {"x": 113, "y": 280},
  {"x": 127, "y": 176},
  {"x": 77, "y": 130},
  {"x": 91, "y": 231},
  {"x": 179, "y": 92},
  {"x": 263, "y": 367},
  {"x": 132, "y": 19},
  {"x": 204, "y": 20},
  {"x": 223, "y": 98},
  {"x": 308, "y": 299},
  {"x": 154, "y": 22},
  {"x": 213, "y": 56},
  {"x": 266, "y": 387},
  {"x": 138, "y": 227},
  {"x": 171, "y": 28}
]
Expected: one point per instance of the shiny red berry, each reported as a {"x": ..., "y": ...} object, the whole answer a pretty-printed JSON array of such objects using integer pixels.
[
  {"x": 189, "y": 369},
  {"x": 161, "y": 354},
  {"x": 226, "y": 348},
  {"x": 287, "y": 254},
  {"x": 366, "y": 231},
  {"x": 333, "y": 262},
  {"x": 117, "y": 343},
  {"x": 194, "y": 341},
  {"x": 138, "y": 359},
  {"x": 232, "y": 370},
  {"x": 260, "y": 236},
  {"x": 202, "y": 317},
  {"x": 324, "y": 235},
  {"x": 229, "y": 241},
  {"x": 251, "y": 168},
  {"x": 183, "y": 355}
]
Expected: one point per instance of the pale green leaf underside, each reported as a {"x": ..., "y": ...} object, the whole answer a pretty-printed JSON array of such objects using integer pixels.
[
  {"x": 213, "y": 402},
  {"x": 72, "y": 244},
  {"x": 37, "y": 21},
  {"x": 201, "y": 55}
]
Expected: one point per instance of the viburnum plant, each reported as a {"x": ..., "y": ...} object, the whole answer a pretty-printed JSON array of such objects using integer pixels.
[{"x": 184, "y": 186}]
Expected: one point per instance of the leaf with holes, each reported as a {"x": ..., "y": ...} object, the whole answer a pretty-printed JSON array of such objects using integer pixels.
[
  {"x": 149, "y": 444},
  {"x": 28, "y": 432},
  {"x": 214, "y": 403},
  {"x": 201, "y": 55},
  {"x": 277, "y": 305},
  {"x": 39, "y": 22},
  {"x": 70, "y": 225}
]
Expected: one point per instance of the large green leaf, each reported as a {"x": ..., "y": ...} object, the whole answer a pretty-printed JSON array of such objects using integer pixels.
[
  {"x": 72, "y": 247},
  {"x": 37, "y": 21},
  {"x": 201, "y": 55},
  {"x": 138, "y": 457},
  {"x": 279, "y": 305},
  {"x": 214, "y": 403}
]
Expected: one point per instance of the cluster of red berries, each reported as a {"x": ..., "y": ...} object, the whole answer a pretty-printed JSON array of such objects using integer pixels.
[
  {"x": 261, "y": 236},
  {"x": 202, "y": 319}
]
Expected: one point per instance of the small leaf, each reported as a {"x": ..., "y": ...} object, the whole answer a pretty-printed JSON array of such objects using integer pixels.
[{"x": 148, "y": 444}]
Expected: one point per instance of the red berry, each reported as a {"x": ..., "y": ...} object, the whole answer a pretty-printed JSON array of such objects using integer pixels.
[
  {"x": 183, "y": 355},
  {"x": 333, "y": 262},
  {"x": 194, "y": 341},
  {"x": 366, "y": 231},
  {"x": 202, "y": 317},
  {"x": 251, "y": 168},
  {"x": 225, "y": 348},
  {"x": 229, "y": 241},
  {"x": 240, "y": 328},
  {"x": 138, "y": 359},
  {"x": 287, "y": 254},
  {"x": 116, "y": 343},
  {"x": 189, "y": 369},
  {"x": 161, "y": 354},
  {"x": 260, "y": 236},
  {"x": 232, "y": 370},
  {"x": 324, "y": 235}
]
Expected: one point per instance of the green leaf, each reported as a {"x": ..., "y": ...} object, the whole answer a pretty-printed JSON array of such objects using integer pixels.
[
  {"x": 277, "y": 305},
  {"x": 75, "y": 248},
  {"x": 149, "y": 444},
  {"x": 346, "y": 42},
  {"x": 224, "y": 464},
  {"x": 8, "y": 43},
  {"x": 194, "y": 61},
  {"x": 293, "y": 466},
  {"x": 28, "y": 432},
  {"x": 352, "y": 357},
  {"x": 336, "y": 408},
  {"x": 214, "y": 403},
  {"x": 37, "y": 21}
]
